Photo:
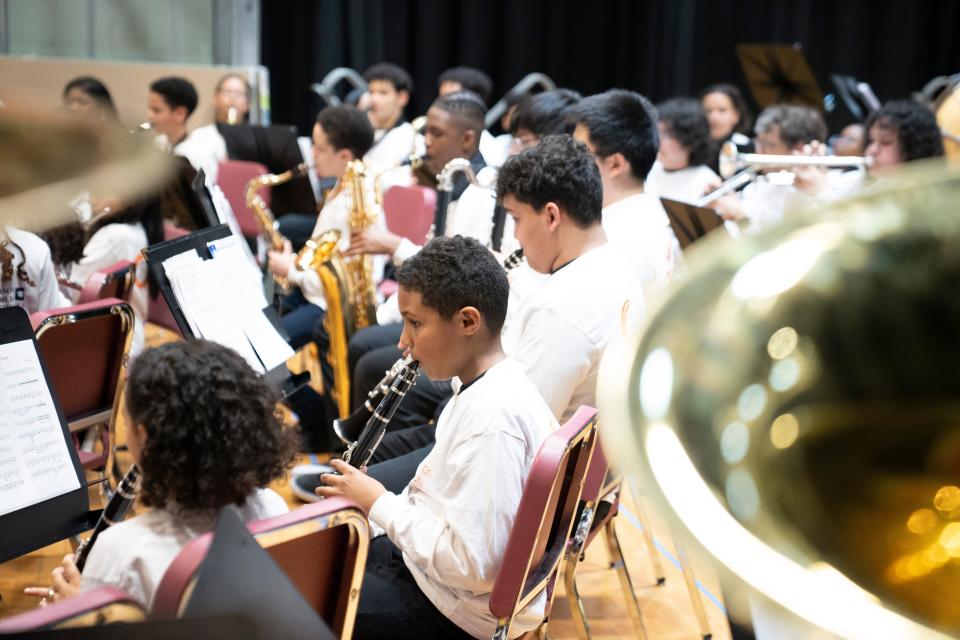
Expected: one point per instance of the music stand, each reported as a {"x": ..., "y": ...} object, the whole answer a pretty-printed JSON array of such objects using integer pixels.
[
  {"x": 238, "y": 576},
  {"x": 204, "y": 200},
  {"x": 276, "y": 148},
  {"x": 779, "y": 74},
  {"x": 54, "y": 518},
  {"x": 279, "y": 378},
  {"x": 689, "y": 222}
]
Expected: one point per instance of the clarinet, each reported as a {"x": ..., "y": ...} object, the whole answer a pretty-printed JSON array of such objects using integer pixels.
[
  {"x": 348, "y": 429},
  {"x": 358, "y": 454},
  {"x": 513, "y": 260},
  {"x": 116, "y": 510}
]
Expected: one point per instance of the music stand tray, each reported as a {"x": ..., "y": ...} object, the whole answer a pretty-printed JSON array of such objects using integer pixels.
[
  {"x": 279, "y": 378},
  {"x": 690, "y": 222}
]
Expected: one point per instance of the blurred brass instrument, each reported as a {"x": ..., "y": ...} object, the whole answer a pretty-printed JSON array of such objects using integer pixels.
[
  {"x": 348, "y": 282},
  {"x": 793, "y": 405},
  {"x": 262, "y": 213},
  {"x": 418, "y": 168}
]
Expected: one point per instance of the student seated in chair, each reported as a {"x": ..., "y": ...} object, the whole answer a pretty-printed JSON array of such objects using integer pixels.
[
  {"x": 202, "y": 426},
  {"x": 432, "y": 573}
]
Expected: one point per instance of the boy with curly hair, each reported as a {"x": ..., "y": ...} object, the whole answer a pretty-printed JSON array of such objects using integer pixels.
[
  {"x": 203, "y": 428},
  {"x": 432, "y": 573}
]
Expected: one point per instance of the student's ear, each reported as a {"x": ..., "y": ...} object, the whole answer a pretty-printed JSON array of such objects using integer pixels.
[
  {"x": 617, "y": 165},
  {"x": 403, "y": 97},
  {"x": 470, "y": 320},
  {"x": 469, "y": 140},
  {"x": 345, "y": 155},
  {"x": 180, "y": 113},
  {"x": 552, "y": 213}
]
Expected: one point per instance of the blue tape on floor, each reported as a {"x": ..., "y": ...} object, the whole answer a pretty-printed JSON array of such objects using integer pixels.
[{"x": 632, "y": 519}]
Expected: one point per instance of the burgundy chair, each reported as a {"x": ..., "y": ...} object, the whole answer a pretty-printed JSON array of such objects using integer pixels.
[
  {"x": 115, "y": 281},
  {"x": 321, "y": 547},
  {"x": 545, "y": 518},
  {"x": 85, "y": 348},
  {"x": 409, "y": 211},
  {"x": 104, "y": 605},
  {"x": 158, "y": 312},
  {"x": 599, "y": 484},
  {"x": 232, "y": 178}
]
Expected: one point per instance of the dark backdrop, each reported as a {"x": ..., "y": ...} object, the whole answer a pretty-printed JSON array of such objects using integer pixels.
[{"x": 661, "y": 48}]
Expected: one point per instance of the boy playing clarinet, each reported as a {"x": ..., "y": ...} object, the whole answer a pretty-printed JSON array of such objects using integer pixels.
[{"x": 431, "y": 574}]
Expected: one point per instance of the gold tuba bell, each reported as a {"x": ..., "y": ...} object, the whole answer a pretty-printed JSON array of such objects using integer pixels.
[
  {"x": 793, "y": 405},
  {"x": 348, "y": 283}
]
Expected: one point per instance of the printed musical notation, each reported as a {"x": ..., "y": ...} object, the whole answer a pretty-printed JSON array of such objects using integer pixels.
[{"x": 35, "y": 461}]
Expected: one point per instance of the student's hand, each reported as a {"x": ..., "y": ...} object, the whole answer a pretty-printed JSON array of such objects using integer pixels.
[
  {"x": 728, "y": 207},
  {"x": 352, "y": 483},
  {"x": 66, "y": 583},
  {"x": 280, "y": 262},
  {"x": 371, "y": 241}
]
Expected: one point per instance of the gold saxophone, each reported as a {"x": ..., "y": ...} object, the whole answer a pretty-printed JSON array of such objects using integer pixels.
[
  {"x": 348, "y": 283},
  {"x": 262, "y": 213}
]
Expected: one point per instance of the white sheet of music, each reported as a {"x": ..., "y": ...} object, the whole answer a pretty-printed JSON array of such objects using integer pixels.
[
  {"x": 222, "y": 299},
  {"x": 35, "y": 463}
]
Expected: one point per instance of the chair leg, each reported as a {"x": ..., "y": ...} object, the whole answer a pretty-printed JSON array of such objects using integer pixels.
[
  {"x": 695, "y": 599},
  {"x": 647, "y": 532},
  {"x": 574, "y": 601},
  {"x": 626, "y": 584}
]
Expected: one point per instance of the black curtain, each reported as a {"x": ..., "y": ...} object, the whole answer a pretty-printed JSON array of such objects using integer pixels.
[{"x": 661, "y": 48}]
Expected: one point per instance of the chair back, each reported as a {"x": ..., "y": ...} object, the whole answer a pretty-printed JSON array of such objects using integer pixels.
[
  {"x": 545, "y": 516},
  {"x": 104, "y": 605},
  {"x": 409, "y": 211},
  {"x": 600, "y": 482},
  {"x": 321, "y": 547},
  {"x": 115, "y": 281},
  {"x": 85, "y": 348},
  {"x": 232, "y": 178}
]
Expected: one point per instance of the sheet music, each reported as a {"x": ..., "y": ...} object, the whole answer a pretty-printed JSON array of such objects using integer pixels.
[
  {"x": 35, "y": 463},
  {"x": 222, "y": 299}
]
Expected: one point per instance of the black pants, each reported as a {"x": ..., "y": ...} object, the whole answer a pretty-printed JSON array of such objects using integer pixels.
[
  {"x": 392, "y": 606},
  {"x": 395, "y": 473},
  {"x": 297, "y": 227}
]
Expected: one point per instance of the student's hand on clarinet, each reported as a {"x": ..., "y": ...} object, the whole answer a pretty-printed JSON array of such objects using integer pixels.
[
  {"x": 66, "y": 583},
  {"x": 352, "y": 483},
  {"x": 373, "y": 241}
]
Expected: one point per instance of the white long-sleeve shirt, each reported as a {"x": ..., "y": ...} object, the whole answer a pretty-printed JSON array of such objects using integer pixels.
[
  {"x": 453, "y": 520},
  {"x": 109, "y": 245},
  {"x": 640, "y": 224},
  {"x": 43, "y": 292},
  {"x": 133, "y": 555},
  {"x": 334, "y": 215},
  {"x": 683, "y": 185},
  {"x": 390, "y": 148},
  {"x": 559, "y": 332}
]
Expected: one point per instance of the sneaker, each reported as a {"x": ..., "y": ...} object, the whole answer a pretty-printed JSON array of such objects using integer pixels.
[
  {"x": 304, "y": 487},
  {"x": 307, "y": 469}
]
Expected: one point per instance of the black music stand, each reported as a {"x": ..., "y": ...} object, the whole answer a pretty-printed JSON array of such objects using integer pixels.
[
  {"x": 779, "y": 74},
  {"x": 276, "y": 148},
  {"x": 279, "y": 378},
  {"x": 53, "y": 519},
  {"x": 689, "y": 222},
  {"x": 204, "y": 201},
  {"x": 238, "y": 577}
]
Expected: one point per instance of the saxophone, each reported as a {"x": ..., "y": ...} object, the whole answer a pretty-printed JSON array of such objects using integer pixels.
[
  {"x": 348, "y": 283},
  {"x": 262, "y": 213}
]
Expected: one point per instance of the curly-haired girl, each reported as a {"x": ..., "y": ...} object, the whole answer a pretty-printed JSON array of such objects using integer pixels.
[{"x": 204, "y": 431}]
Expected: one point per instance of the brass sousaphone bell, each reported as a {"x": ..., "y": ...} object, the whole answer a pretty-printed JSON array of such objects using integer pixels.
[
  {"x": 47, "y": 159},
  {"x": 794, "y": 404}
]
